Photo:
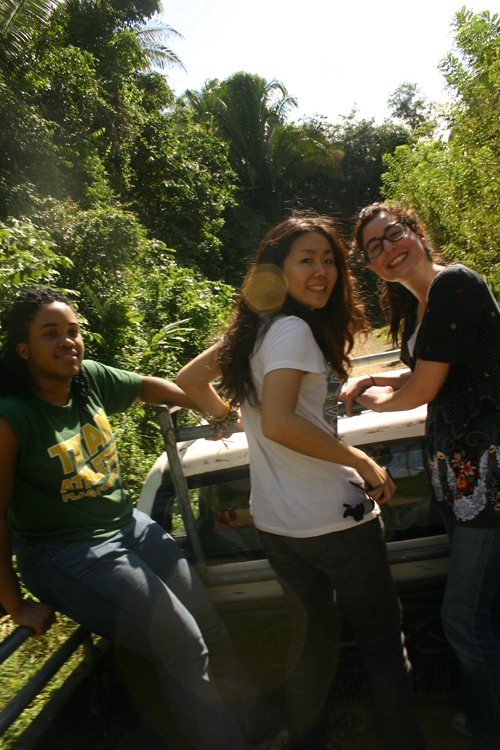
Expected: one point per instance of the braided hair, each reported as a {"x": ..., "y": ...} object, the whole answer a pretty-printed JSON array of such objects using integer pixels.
[{"x": 15, "y": 376}]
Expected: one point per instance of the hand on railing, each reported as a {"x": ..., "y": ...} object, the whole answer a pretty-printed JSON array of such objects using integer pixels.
[
  {"x": 34, "y": 615},
  {"x": 353, "y": 390},
  {"x": 225, "y": 427},
  {"x": 356, "y": 409}
]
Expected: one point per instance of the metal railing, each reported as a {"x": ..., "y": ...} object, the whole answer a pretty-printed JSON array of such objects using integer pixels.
[
  {"x": 376, "y": 359},
  {"x": 36, "y": 684}
]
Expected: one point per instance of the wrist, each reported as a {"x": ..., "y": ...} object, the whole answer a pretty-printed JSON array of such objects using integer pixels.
[
  {"x": 14, "y": 606},
  {"x": 226, "y": 424},
  {"x": 223, "y": 415},
  {"x": 358, "y": 459}
]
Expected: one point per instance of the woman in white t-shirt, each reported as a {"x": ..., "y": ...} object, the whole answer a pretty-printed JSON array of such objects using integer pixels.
[{"x": 283, "y": 360}]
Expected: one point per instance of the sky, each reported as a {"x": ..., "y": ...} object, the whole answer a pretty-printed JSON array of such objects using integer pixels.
[{"x": 332, "y": 56}]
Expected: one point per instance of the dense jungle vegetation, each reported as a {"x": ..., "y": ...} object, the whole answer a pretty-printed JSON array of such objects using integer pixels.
[{"x": 147, "y": 207}]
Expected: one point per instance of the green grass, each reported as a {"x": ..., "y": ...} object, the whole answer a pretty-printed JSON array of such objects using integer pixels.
[{"x": 381, "y": 334}]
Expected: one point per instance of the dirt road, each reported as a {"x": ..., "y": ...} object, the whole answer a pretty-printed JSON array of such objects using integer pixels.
[{"x": 373, "y": 344}]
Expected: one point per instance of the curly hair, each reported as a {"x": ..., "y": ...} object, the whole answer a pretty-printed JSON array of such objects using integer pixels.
[
  {"x": 332, "y": 326},
  {"x": 15, "y": 320},
  {"x": 394, "y": 297}
]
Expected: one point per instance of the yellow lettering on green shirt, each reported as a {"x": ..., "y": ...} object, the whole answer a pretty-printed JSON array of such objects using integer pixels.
[
  {"x": 104, "y": 461},
  {"x": 93, "y": 438},
  {"x": 71, "y": 452},
  {"x": 86, "y": 478},
  {"x": 102, "y": 422},
  {"x": 66, "y": 486},
  {"x": 63, "y": 451}
]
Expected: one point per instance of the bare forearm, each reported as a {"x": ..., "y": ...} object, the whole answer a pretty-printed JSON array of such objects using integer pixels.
[
  {"x": 420, "y": 388},
  {"x": 355, "y": 389},
  {"x": 196, "y": 379},
  {"x": 207, "y": 399},
  {"x": 401, "y": 400},
  {"x": 23, "y": 611},
  {"x": 158, "y": 391},
  {"x": 395, "y": 379},
  {"x": 300, "y": 435},
  {"x": 10, "y": 592}
]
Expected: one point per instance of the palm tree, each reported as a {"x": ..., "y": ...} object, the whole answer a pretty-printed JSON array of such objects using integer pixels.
[
  {"x": 152, "y": 39},
  {"x": 17, "y": 17},
  {"x": 249, "y": 111},
  {"x": 251, "y": 115},
  {"x": 203, "y": 104}
]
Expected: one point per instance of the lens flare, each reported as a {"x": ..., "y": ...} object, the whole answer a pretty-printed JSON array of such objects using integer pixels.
[{"x": 265, "y": 288}]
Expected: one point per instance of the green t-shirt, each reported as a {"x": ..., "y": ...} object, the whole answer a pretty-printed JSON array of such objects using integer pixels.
[{"x": 67, "y": 484}]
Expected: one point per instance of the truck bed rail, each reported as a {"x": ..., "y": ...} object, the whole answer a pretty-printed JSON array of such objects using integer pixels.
[{"x": 29, "y": 692}]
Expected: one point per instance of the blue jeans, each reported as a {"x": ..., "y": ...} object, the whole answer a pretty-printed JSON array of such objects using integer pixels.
[
  {"x": 138, "y": 590},
  {"x": 354, "y": 562},
  {"x": 471, "y": 619}
]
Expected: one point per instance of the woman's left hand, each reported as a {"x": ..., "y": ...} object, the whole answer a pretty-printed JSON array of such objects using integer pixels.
[
  {"x": 232, "y": 423},
  {"x": 383, "y": 493},
  {"x": 379, "y": 485},
  {"x": 376, "y": 397}
]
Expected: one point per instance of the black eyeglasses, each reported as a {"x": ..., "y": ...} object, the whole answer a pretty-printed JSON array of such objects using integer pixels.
[{"x": 393, "y": 233}]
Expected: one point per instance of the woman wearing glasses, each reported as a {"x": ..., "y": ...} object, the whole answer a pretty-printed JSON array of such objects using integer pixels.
[{"x": 449, "y": 324}]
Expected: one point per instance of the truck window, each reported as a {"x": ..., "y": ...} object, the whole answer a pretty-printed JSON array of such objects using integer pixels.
[{"x": 412, "y": 512}]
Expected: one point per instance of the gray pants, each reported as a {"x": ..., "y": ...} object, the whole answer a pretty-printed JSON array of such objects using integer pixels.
[{"x": 354, "y": 562}]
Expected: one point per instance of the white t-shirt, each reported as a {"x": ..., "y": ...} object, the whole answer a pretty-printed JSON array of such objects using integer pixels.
[{"x": 293, "y": 494}]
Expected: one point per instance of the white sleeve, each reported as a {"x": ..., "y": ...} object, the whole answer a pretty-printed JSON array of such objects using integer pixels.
[{"x": 289, "y": 343}]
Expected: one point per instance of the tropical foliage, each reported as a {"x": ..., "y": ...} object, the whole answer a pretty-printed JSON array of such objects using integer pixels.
[
  {"x": 409, "y": 105},
  {"x": 147, "y": 208},
  {"x": 27, "y": 257},
  {"x": 153, "y": 38},
  {"x": 102, "y": 181},
  {"x": 454, "y": 182}
]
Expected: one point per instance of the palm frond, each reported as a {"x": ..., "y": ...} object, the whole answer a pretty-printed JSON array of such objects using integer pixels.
[
  {"x": 285, "y": 106},
  {"x": 18, "y": 16},
  {"x": 279, "y": 100},
  {"x": 152, "y": 39}
]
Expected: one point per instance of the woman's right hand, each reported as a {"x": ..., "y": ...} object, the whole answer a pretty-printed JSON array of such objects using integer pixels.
[
  {"x": 355, "y": 388},
  {"x": 34, "y": 615},
  {"x": 378, "y": 484}
]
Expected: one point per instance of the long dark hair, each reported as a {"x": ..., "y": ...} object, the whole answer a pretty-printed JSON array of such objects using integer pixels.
[
  {"x": 332, "y": 326},
  {"x": 15, "y": 375},
  {"x": 394, "y": 297}
]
